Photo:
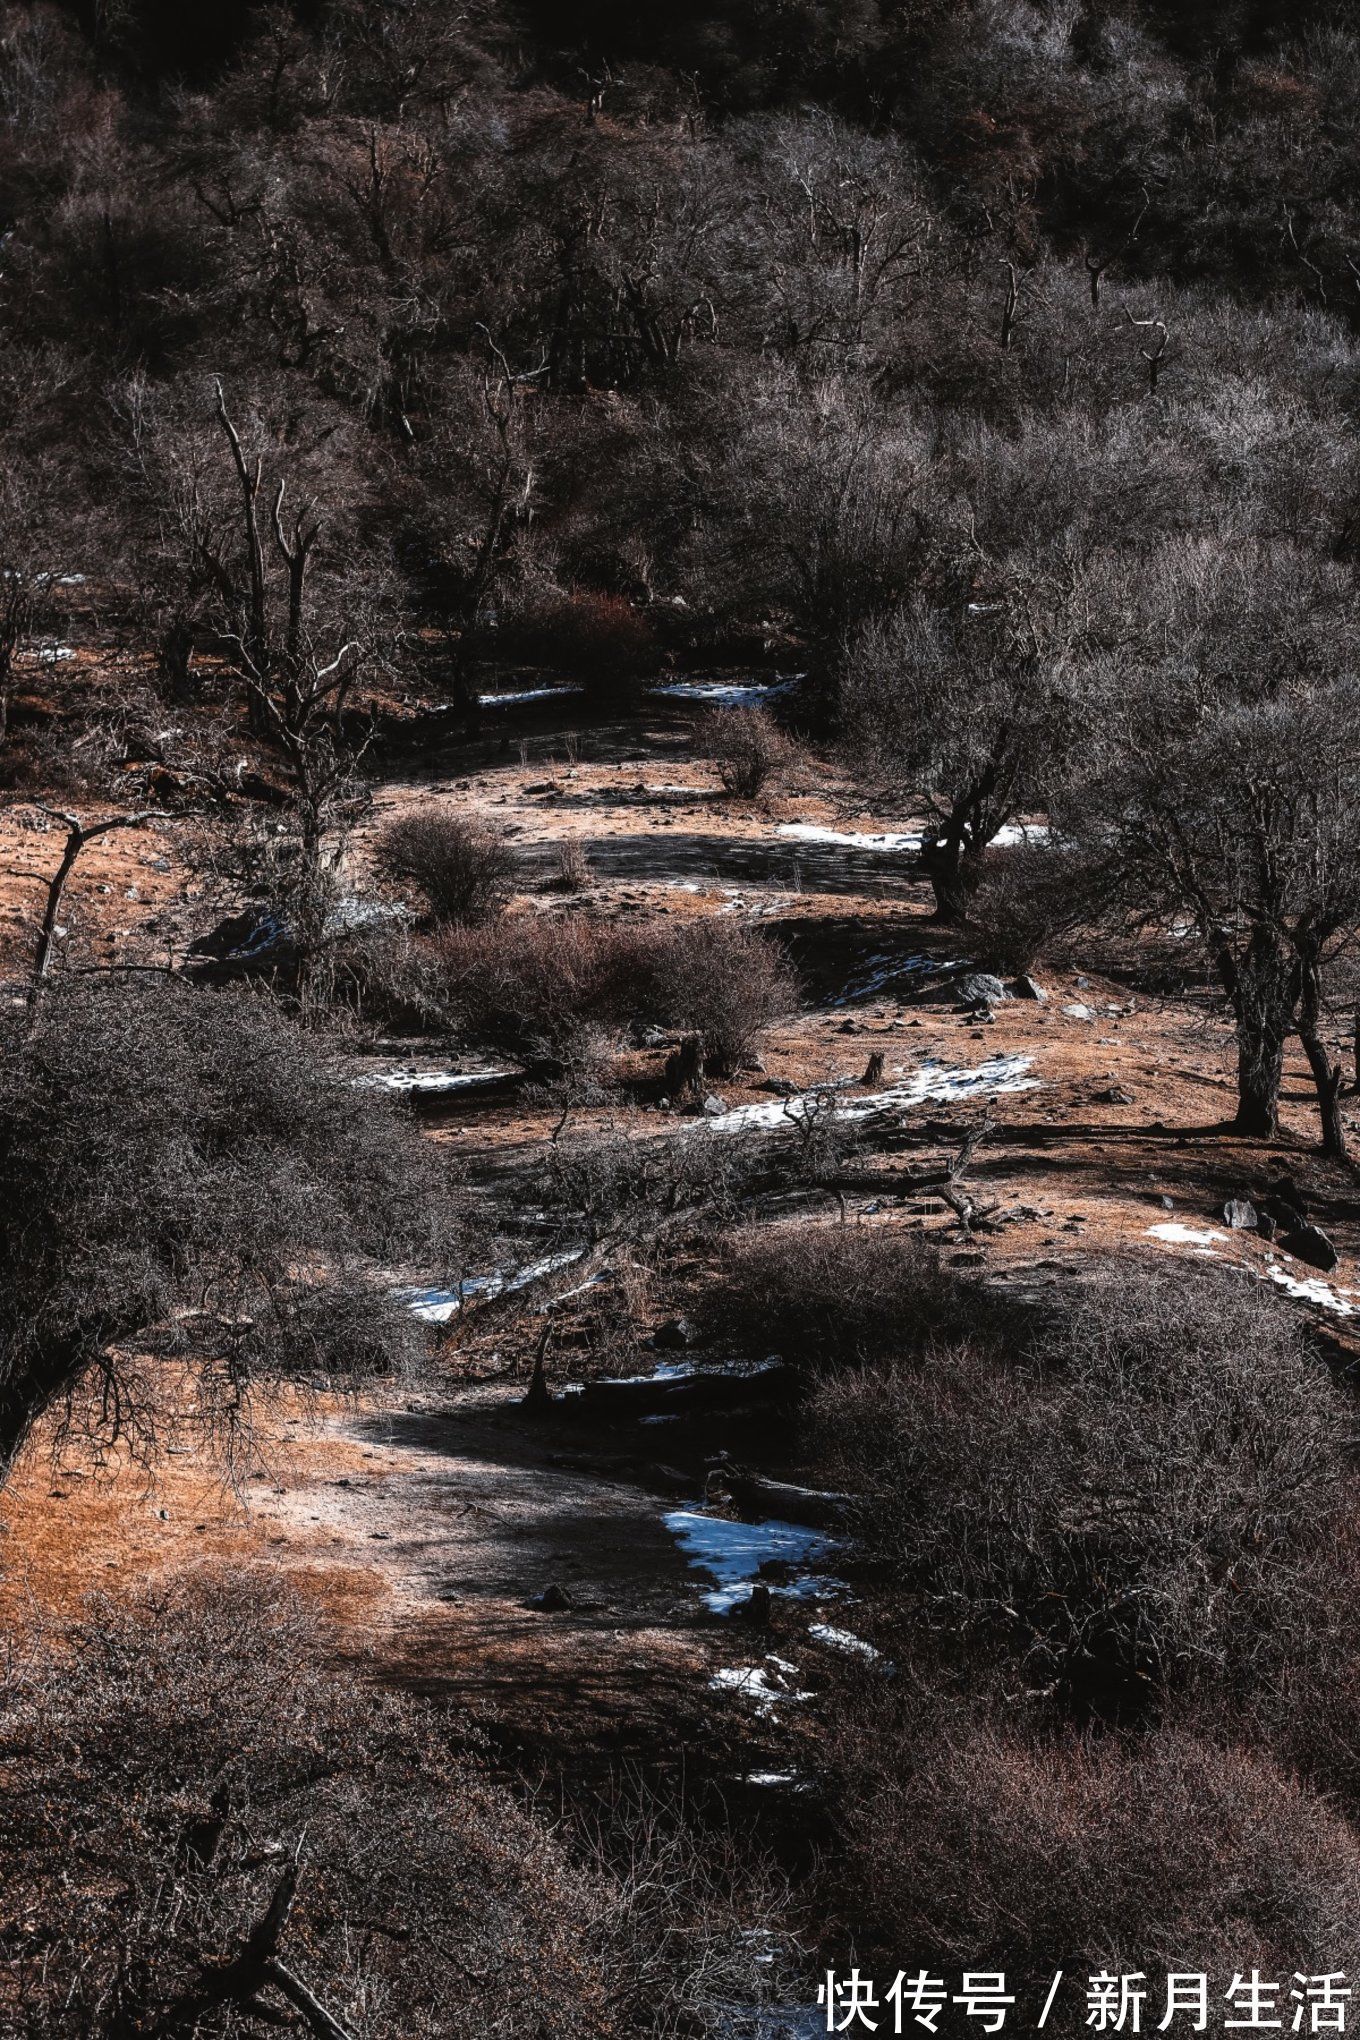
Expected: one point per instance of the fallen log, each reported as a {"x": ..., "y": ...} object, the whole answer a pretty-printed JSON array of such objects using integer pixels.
[
  {"x": 679, "y": 1395},
  {"x": 754, "y": 1495}
]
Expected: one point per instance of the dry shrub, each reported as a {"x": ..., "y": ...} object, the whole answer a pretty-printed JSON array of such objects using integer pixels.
[
  {"x": 836, "y": 1295},
  {"x": 573, "y": 865},
  {"x": 558, "y": 989},
  {"x": 542, "y": 989},
  {"x": 1156, "y": 1853},
  {"x": 724, "y": 981},
  {"x": 1150, "y": 1500},
  {"x": 165, "y": 1774},
  {"x": 381, "y": 975},
  {"x": 608, "y": 1184},
  {"x": 1023, "y": 901},
  {"x": 747, "y": 746},
  {"x": 462, "y": 868},
  {"x": 180, "y": 1172}
]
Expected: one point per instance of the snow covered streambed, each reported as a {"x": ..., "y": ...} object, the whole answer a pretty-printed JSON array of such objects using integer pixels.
[
  {"x": 733, "y": 1555},
  {"x": 932, "y": 1083},
  {"x": 437, "y": 1306},
  {"x": 905, "y": 842},
  {"x": 727, "y": 693},
  {"x": 415, "y": 1081}
]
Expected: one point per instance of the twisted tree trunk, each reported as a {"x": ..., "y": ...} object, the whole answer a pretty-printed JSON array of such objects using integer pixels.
[{"x": 1264, "y": 991}]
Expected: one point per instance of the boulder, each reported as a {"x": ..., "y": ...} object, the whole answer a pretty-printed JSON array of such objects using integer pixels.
[
  {"x": 675, "y": 1335},
  {"x": 554, "y": 1600},
  {"x": 714, "y": 1106},
  {"x": 1241, "y": 1215},
  {"x": 1025, "y": 987},
  {"x": 980, "y": 988},
  {"x": 1285, "y": 1208},
  {"x": 1310, "y": 1243}
]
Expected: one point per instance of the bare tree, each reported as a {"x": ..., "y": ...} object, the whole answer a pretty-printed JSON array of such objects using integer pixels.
[
  {"x": 298, "y": 684},
  {"x": 970, "y": 711},
  {"x": 1227, "y": 792},
  {"x": 78, "y": 834}
]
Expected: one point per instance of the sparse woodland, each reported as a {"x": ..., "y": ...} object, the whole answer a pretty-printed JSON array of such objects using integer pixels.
[{"x": 679, "y": 746}]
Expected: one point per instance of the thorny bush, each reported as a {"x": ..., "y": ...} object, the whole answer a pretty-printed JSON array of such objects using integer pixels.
[{"x": 190, "y": 1756}]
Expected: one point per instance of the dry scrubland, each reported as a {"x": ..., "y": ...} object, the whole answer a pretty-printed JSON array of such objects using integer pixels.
[{"x": 679, "y": 871}]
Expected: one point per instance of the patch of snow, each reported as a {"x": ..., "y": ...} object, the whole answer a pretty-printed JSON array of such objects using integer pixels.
[
  {"x": 425, "y": 1082},
  {"x": 888, "y": 840},
  {"x": 686, "y": 1370},
  {"x": 1311, "y": 1289},
  {"x": 1035, "y": 834},
  {"x": 771, "y": 1777},
  {"x": 1186, "y": 1235},
  {"x": 351, "y": 912},
  {"x": 931, "y": 1084},
  {"x": 724, "y": 693},
  {"x": 733, "y": 1553},
  {"x": 437, "y": 1306},
  {"x": 513, "y": 698},
  {"x": 754, "y": 1683},
  {"x": 884, "y": 970},
  {"x": 52, "y": 655},
  {"x": 844, "y": 1640},
  {"x": 267, "y": 932}
]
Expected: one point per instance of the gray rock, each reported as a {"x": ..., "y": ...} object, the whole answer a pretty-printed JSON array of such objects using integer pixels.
[
  {"x": 1241, "y": 1215},
  {"x": 1025, "y": 987},
  {"x": 554, "y": 1600},
  {"x": 674, "y": 1335},
  {"x": 780, "y": 1087},
  {"x": 1311, "y": 1244},
  {"x": 644, "y": 1035},
  {"x": 713, "y": 1105},
  {"x": 980, "y": 988}
]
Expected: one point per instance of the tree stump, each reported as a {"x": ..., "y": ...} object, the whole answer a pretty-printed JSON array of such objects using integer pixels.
[{"x": 685, "y": 1068}]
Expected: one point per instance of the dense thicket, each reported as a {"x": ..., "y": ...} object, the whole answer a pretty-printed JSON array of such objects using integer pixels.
[{"x": 250, "y": 1826}]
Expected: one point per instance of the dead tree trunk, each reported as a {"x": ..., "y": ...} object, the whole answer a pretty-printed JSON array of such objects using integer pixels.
[
  {"x": 78, "y": 835},
  {"x": 685, "y": 1068},
  {"x": 258, "y": 1967},
  {"x": 1264, "y": 988}
]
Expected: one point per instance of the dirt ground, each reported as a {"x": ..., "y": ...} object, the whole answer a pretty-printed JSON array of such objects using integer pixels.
[{"x": 429, "y": 1520}]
